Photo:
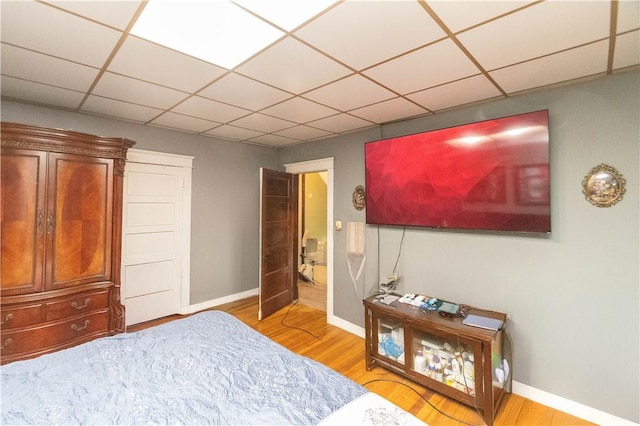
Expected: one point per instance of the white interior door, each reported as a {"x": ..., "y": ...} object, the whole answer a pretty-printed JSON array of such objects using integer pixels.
[{"x": 153, "y": 233}]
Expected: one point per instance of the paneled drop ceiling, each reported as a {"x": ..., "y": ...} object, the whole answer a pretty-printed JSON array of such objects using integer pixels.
[{"x": 335, "y": 68}]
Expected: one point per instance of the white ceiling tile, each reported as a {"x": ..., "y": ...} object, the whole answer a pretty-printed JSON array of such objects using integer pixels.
[
  {"x": 274, "y": 140},
  {"x": 427, "y": 67},
  {"x": 539, "y": 30},
  {"x": 117, "y": 14},
  {"x": 364, "y": 33},
  {"x": 299, "y": 110},
  {"x": 393, "y": 109},
  {"x": 459, "y": 92},
  {"x": 341, "y": 123},
  {"x": 351, "y": 92},
  {"x": 135, "y": 91},
  {"x": 293, "y": 67},
  {"x": 243, "y": 92},
  {"x": 627, "y": 52},
  {"x": 39, "y": 93},
  {"x": 459, "y": 15},
  {"x": 43, "y": 28},
  {"x": 46, "y": 69},
  {"x": 157, "y": 64},
  {"x": 287, "y": 14},
  {"x": 355, "y": 56},
  {"x": 113, "y": 108},
  {"x": 263, "y": 123},
  {"x": 304, "y": 133},
  {"x": 227, "y": 131},
  {"x": 184, "y": 122},
  {"x": 576, "y": 63},
  {"x": 210, "y": 110},
  {"x": 628, "y": 15}
]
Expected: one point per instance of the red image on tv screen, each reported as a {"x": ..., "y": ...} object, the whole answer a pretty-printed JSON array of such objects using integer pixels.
[{"x": 490, "y": 175}]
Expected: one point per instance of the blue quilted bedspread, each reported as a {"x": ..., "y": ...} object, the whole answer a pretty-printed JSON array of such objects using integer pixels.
[{"x": 209, "y": 368}]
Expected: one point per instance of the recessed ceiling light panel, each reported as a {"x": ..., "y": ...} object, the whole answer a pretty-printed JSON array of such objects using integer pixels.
[
  {"x": 218, "y": 32},
  {"x": 287, "y": 14}
]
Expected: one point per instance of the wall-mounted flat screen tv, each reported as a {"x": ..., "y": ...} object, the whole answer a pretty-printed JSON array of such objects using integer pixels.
[{"x": 490, "y": 175}]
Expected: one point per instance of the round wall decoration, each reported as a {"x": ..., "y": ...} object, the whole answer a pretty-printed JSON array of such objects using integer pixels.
[
  {"x": 359, "y": 198},
  {"x": 603, "y": 186}
]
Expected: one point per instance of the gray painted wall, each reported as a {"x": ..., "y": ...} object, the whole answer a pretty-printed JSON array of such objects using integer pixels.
[
  {"x": 225, "y": 195},
  {"x": 573, "y": 297}
]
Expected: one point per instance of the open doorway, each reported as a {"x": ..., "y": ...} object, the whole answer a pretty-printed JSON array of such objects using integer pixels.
[
  {"x": 312, "y": 271},
  {"x": 322, "y": 165}
]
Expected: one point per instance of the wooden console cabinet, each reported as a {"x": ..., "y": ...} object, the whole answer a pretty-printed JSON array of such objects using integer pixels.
[
  {"x": 61, "y": 234},
  {"x": 466, "y": 363}
]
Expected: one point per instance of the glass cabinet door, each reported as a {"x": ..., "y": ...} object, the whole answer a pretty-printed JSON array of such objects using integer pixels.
[
  {"x": 448, "y": 360},
  {"x": 389, "y": 339}
]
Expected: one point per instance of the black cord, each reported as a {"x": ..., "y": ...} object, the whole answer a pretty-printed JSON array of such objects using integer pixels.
[
  {"x": 376, "y": 288},
  {"x": 508, "y": 380},
  {"x": 378, "y": 277},
  {"x": 379, "y": 290},
  {"x": 295, "y": 302},
  {"x": 420, "y": 395},
  {"x": 464, "y": 377},
  {"x": 404, "y": 229}
]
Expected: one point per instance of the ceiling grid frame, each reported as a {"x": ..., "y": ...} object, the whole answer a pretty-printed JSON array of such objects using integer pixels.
[{"x": 433, "y": 90}]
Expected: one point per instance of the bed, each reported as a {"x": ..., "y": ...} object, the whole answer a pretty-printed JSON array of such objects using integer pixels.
[{"x": 208, "y": 368}]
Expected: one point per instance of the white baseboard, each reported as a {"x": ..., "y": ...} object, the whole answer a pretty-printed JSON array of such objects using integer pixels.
[
  {"x": 346, "y": 325},
  {"x": 568, "y": 406},
  {"x": 186, "y": 310}
]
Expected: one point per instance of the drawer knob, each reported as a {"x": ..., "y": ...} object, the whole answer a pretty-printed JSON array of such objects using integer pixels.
[
  {"x": 8, "y": 318},
  {"x": 77, "y": 306},
  {"x": 5, "y": 344},
  {"x": 76, "y": 327}
]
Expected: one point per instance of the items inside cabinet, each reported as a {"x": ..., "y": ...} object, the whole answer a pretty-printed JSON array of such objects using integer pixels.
[
  {"x": 468, "y": 364},
  {"x": 444, "y": 361},
  {"x": 391, "y": 339}
]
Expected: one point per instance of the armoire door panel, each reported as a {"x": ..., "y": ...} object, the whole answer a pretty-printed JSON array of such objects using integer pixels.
[
  {"x": 23, "y": 175},
  {"x": 61, "y": 233},
  {"x": 81, "y": 227}
]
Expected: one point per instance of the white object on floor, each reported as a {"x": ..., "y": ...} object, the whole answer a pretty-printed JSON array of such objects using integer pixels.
[{"x": 371, "y": 409}]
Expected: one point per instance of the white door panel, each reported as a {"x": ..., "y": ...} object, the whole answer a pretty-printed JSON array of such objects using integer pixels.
[
  {"x": 148, "y": 307},
  {"x": 153, "y": 235},
  {"x": 152, "y": 180},
  {"x": 150, "y": 246},
  {"x": 147, "y": 278},
  {"x": 151, "y": 213}
]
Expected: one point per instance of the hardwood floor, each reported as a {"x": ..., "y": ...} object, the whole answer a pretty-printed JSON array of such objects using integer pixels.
[
  {"x": 304, "y": 330},
  {"x": 314, "y": 294}
]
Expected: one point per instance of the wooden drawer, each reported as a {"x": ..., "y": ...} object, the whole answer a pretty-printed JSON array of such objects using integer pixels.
[
  {"x": 21, "y": 316},
  {"x": 76, "y": 305},
  {"x": 53, "y": 336}
]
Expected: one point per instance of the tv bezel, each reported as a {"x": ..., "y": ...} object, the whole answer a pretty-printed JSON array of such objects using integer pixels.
[{"x": 546, "y": 227}]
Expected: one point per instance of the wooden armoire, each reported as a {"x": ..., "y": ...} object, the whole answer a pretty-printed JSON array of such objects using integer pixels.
[{"x": 61, "y": 206}]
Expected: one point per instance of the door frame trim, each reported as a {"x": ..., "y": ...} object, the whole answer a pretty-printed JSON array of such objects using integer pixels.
[
  {"x": 186, "y": 163},
  {"x": 321, "y": 165}
]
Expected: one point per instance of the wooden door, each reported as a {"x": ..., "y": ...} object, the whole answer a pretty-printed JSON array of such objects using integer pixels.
[
  {"x": 22, "y": 205},
  {"x": 278, "y": 236},
  {"x": 79, "y": 220}
]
